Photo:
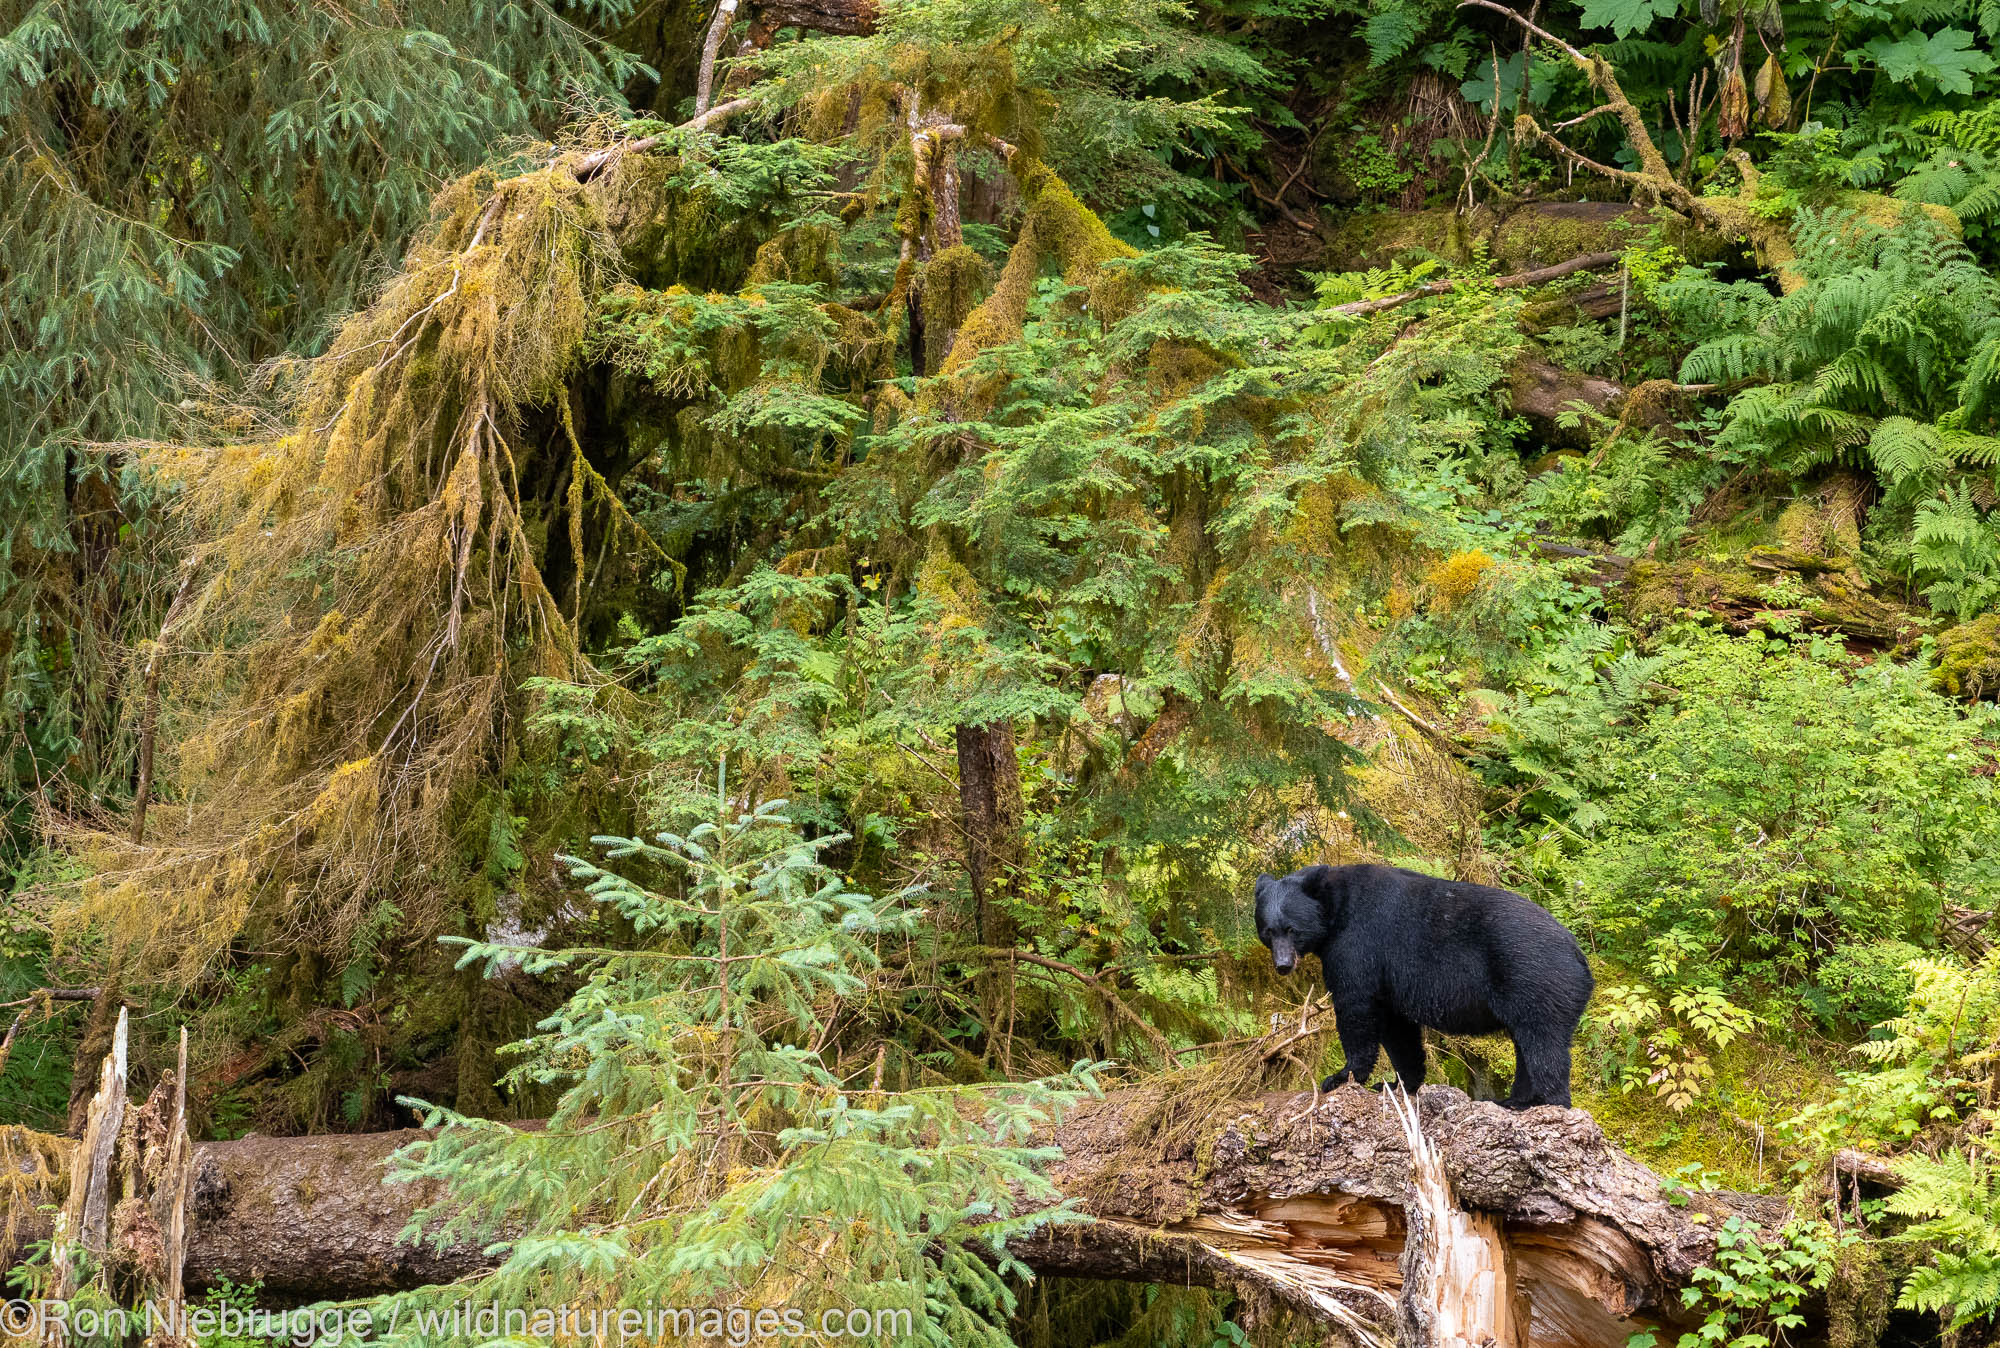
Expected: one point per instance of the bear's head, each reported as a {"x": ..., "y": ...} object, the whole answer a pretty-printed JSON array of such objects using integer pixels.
[{"x": 1291, "y": 918}]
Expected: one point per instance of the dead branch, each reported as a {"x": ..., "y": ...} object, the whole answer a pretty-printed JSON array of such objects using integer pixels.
[{"x": 1539, "y": 275}]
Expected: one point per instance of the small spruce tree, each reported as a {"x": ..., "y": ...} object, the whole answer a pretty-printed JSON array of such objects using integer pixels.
[{"x": 708, "y": 1149}]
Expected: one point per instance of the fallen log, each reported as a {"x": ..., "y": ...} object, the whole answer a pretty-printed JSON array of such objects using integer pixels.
[
  {"x": 1832, "y": 598},
  {"x": 1544, "y": 393},
  {"x": 1295, "y": 1202}
]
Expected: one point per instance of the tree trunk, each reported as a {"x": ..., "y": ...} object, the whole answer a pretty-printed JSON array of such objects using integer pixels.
[
  {"x": 989, "y": 790},
  {"x": 1527, "y": 1221}
]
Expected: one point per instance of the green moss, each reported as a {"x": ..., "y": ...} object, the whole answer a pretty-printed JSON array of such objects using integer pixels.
[
  {"x": 1374, "y": 238},
  {"x": 1057, "y": 227},
  {"x": 1758, "y": 1084},
  {"x": 803, "y": 256},
  {"x": 1534, "y": 235},
  {"x": 1857, "y": 1297},
  {"x": 1968, "y": 659},
  {"x": 951, "y": 285},
  {"x": 1657, "y": 591},
  {"x": 1829, "y": 596},
  {"x": 1559, "y": 230},
  {"x": 1825, "y": 519}
]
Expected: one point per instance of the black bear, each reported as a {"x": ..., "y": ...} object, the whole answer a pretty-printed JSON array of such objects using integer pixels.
[{"x": 1401, "y": 950}]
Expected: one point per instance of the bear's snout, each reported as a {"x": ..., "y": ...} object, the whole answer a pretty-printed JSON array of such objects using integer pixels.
[{"x": 1283, "y": 955}]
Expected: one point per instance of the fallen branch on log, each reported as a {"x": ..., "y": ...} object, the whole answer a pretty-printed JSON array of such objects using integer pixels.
[
  {"x": 1536, "y": 277},
  {"x": 1298, "y": 1202}
]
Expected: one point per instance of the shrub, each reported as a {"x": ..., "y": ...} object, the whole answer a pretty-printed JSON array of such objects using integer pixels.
[
  {"x": 1768, "y": 805},
  {"x": 1864, "y": 985}
]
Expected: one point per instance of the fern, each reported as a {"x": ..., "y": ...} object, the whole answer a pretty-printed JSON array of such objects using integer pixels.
[
  {"x": 1904, "y": 451},
  {"x": 1962, "y": 168},
  {"x": 1888, "y": 359},
  {"x": 1957, "y": 548},
  {"x": 1393, "y": 30},
  {"x": 1959, "y": 1207}
]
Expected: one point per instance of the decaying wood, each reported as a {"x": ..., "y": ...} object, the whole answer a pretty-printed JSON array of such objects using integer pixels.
[
  {"x": 85, "y": 1218},
  {"x": 1545, "y": 394},
  {"x": 173, "y": 1188},
  {"x": 1966, "y": 930},
  {"x": 1458, "y": 1271},
  {"x": 1302, "y": 1202},
  {"x": 1833, "y": 598},
  {"x": 1860, "y": 1165},
  {"x": 1299, "y": 1202}
]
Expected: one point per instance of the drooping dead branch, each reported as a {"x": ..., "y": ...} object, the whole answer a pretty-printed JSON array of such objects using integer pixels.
[
  {"x": 1654, "y": 179},
  {"x": 40, "y": 999}
]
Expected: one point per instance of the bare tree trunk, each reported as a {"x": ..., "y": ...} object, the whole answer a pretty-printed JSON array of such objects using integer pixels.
[
  {"x": 149, "y": 715},
  {"x": 989, "y": 790}
]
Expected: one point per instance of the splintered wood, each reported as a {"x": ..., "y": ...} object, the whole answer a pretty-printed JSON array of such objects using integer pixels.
[{"x": 1458, "y": 1271}]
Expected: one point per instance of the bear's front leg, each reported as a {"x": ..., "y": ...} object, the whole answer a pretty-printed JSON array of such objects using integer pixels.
[{"x": 1360, "y": 1041}]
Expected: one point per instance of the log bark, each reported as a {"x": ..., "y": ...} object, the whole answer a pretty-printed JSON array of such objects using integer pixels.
[
  {"x": 1294, "y": 1202},
  {"x": 1542, "y": 393}
]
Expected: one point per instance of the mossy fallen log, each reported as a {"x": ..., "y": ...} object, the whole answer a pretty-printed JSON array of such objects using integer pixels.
[
  {"x": 1968, "y": 658},
  {"x": 1294, "y": 1201},
  {"x": 1534, "y": 234},
  {"x": 1545, "y": 395},
  {"x": 1824, "y": 594}
]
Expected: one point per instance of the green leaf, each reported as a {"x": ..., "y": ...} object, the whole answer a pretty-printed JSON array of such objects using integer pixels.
[
  {"x": 1945, "y": 58},
  {"x": 1626, "y": 17}
]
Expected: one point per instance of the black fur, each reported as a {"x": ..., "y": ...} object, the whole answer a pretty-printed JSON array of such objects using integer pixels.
[{"x": 1401, "y": 950}]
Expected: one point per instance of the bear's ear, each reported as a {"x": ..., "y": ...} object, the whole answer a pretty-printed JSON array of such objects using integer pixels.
[{"x": 1265, "y": 881}]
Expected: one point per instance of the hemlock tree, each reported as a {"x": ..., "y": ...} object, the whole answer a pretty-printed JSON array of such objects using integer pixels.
[
  {"x": 415, "y": 527},
  {"x": 187, "y": 190}
]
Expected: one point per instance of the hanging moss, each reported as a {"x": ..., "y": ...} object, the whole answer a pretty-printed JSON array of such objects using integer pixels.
[
  {"x": 802, "y": 256},
  {"x": 951, "y": 285},
  {"x": 369, "y": 599},
  {"x": 1055, "y": 227}
]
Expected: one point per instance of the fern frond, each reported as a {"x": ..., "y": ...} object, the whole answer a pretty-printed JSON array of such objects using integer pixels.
[{"x": 1902, "y": 449}]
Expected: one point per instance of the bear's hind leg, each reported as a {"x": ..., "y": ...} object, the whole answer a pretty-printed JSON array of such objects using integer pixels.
[
  {"x": 1405, "y": 1041},
  {"x": 1541, "y": 1075}
]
